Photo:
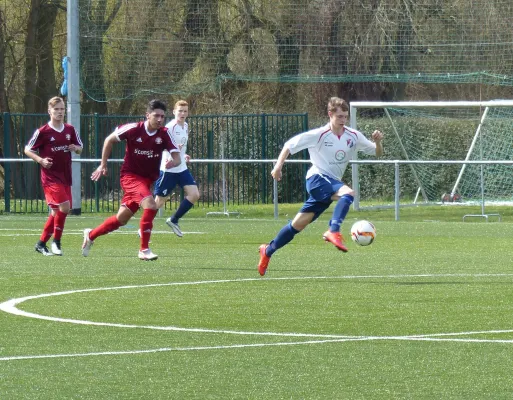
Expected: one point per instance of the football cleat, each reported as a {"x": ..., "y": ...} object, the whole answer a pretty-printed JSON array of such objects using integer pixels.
[
  {"x": 86, "y": 246},
  {"x": 56, "y": 248},
  {"x": 147, "y": 255},
  {"x": 174, "y": 227},
  {"x": 336, "y": 239},
  {"x": 43, "y": 250},
  {"x": 264, "y": 260}
]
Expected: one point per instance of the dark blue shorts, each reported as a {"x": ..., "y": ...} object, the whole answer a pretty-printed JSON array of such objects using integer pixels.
[
  {"x": 320, "y": 188},
  {"x": 168, "y": 180}
]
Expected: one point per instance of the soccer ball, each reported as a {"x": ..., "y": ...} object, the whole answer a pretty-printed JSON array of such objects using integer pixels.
[{"x": 363, "y": 233}]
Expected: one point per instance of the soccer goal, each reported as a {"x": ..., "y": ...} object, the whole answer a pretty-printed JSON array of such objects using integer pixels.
[{"x": 476, "y": 136}]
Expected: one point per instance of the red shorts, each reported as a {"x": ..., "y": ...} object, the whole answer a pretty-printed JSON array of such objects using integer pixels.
[
  {"x": 136, "y": 189},
  {"x": 57, "y": 194}
]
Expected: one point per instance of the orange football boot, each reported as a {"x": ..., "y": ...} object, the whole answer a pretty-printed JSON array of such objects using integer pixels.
[
  {"x": 264, "y": 260},
  {"x": 336, "y": 239}
]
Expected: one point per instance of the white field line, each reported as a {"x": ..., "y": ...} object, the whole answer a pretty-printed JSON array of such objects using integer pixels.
[
  {"x": 37, "y": 232},
  {"x": 10, "y": 306}
]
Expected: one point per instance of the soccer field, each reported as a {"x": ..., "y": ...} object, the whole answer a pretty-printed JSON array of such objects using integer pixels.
[{"x": 425, "y": 312}]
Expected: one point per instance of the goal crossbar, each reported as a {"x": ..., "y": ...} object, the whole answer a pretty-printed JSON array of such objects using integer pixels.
[{"x": 413, "y": 104}]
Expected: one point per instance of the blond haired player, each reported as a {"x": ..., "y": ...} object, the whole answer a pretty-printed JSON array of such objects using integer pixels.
[
  {"x": 51, "y": 146},
  {"x": 179, "y": 175}
]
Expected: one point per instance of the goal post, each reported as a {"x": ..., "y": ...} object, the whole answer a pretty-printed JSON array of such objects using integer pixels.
[{"x": 442, "y": 130}]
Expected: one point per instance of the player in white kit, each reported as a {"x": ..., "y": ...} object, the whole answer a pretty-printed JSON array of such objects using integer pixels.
[
  {"x": 330, "y": 148},
  {"x": 179, "y": 175}
]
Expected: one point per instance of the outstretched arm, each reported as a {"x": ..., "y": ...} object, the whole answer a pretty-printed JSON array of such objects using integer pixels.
[
  {"x": 377, "y": 137},
  {"x": 276, "y": 172},
  {"x": 107, "y": 150}
]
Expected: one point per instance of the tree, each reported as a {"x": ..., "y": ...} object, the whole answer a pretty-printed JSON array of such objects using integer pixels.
[
  {"x": 92, "y": 32},
  {"x": 39, "y": 80}
]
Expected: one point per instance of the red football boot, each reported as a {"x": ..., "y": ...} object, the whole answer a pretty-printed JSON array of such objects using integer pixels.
[
  {"x": 336, "y": 239},
  {"x": 264, "y": 260}
]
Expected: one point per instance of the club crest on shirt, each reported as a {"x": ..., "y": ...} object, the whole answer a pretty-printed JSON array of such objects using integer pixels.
[
  {"x": 68, "y": 136},
  {"x": 350, "y": 143},
  {"x": 340, "y": 155},
  {"x": 158, "y": 140}
]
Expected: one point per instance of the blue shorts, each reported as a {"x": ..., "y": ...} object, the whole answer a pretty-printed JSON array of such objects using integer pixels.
[
  {"x": 320, "y": 188},
  {"x": 168, "y": 180}
]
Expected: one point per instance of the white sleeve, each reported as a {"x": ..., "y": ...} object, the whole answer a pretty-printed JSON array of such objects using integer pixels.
[
  {"x": 302, "y": 141},
  {"x": 365, "y": 145}
]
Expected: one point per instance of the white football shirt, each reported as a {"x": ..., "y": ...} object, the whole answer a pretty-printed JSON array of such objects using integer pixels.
[
  {"x": 329, "y": 153},
  {"x": 179, "y": 136}
]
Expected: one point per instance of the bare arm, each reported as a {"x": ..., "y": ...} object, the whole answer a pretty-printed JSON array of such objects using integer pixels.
[
  {"x": 75, "y": 148},
  {"x": 377, "y": 136},
  {"x": 106, "y": 151},
  {"x": 174, "y": 161},
  {"x": 45, "y": 162},
  {"x": 276, "y": 172}
]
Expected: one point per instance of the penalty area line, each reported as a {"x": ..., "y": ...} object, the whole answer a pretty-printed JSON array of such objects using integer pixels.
[
  {"x": 168, "y": 349},
  {"x": 245, "y": 346}
]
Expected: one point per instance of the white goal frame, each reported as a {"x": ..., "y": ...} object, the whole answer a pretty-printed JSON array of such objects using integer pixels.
[{"x": 483, "y": 105}]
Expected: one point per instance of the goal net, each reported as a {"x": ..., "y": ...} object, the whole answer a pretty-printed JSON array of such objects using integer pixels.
[
  {"x": 433, "y": 140},
  {"x": 132, "y": 48}
]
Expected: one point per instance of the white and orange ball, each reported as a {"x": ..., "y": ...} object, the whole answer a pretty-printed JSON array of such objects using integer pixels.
[{"x": 363, "y": 233}]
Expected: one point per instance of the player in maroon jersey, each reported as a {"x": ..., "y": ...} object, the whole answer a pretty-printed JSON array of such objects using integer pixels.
[
  {"x": 145, "y": 142},
  {"x": 51, "y": 146}
]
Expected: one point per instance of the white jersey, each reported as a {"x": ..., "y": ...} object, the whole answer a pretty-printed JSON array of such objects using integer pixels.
[
  {"x": 330, "y": 153},
  {"x": 179, "y": 136}
]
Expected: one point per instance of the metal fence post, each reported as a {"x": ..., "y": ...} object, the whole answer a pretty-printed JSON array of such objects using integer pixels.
[
  {"x": 263, "y": 131},
  {"x": 397, "y": 190},
  {"x": 210, "y": 156},
  {"x": 97, "y": 155},
  {"x": 7, "y": 166}
]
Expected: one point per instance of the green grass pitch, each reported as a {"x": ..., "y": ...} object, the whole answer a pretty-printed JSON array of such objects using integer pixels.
[{"x": 425, "y": 312}]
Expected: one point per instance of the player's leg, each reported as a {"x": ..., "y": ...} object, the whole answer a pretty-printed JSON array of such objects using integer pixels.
[
  {"x": 60, "y": 218},
  {"x": 58, "y": 228},
  {"x": 109, "y": 225},
  {"x": 134, "y": 191},
  {"x": 187, "y": 182},
  {"x": 53, "y": 198},
  {"x": 162, "y": 188},
  {"x": 47, "y": 233},
  {"x": 149, "y": 207},
  {"x": 160, "y": 201},
  {"x": 114, "y": 222},
  {"x": 344, "y": 197},
  {"x": 320, "y": 192},
  {"x": 284, "y": 236},
  {"x": 191, "y": 197}
]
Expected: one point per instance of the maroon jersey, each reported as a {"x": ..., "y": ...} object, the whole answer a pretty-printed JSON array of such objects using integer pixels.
[
  {"x": 144, "y": 149},
  {"x": 51, "y": 143}
]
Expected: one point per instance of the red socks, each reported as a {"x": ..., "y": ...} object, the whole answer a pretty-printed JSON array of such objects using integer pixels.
[
  {"x": 58, "y": 226},
  {"x": 107, "y": 226},
  {"x": 47, "y": 229},
  {"x": 112, "y": 223},
  {"x": 146, "y": 226}
]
